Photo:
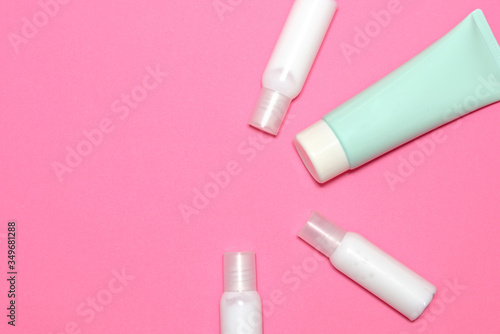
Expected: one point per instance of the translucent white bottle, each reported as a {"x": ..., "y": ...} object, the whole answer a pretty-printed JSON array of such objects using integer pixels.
[
  {"x": 240, "y": 305},
  {"x": 369, "y": 266},
  {"x": 291, "y": 61}
]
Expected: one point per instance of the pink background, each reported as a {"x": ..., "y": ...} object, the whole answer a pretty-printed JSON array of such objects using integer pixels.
[{"x": 120, "y": 207}]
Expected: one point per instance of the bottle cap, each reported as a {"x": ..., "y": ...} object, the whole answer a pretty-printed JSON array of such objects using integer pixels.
[
  {"x": 321, "y": 152},
  {"x": 322, "y": 234},
  {"x": 270, "y": 111},
  {"x": 239, "y": 271}
]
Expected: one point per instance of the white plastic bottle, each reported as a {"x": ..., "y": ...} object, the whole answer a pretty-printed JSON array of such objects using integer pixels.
[
  {"x": 291, "y": 61},
  {"x": 240, "y": 305},
  {"x": 369, "y": 266}
]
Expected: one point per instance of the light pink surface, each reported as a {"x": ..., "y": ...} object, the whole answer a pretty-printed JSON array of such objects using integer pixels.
[{"x": 120, "y": 208}]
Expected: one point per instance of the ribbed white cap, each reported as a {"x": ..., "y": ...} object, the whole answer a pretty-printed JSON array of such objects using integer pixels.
[
  {"x": 239, "y": 271},
  {"x": 270, "y": 111},
  {"x": 321, "y": 152}
]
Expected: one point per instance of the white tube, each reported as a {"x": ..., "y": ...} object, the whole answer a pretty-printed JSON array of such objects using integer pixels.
[
  {"x": 240, "y": 305},
  {"x": 291, "y": 61},
  {"x": 369, "y": 266}
]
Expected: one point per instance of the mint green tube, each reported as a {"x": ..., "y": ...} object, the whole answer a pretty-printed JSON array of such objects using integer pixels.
[{"x": 454, "y": 76}]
